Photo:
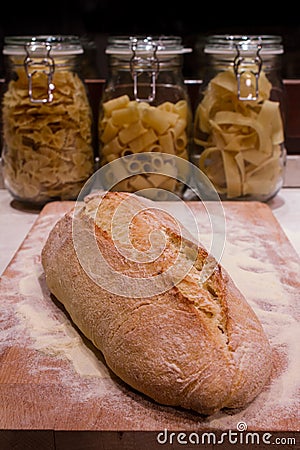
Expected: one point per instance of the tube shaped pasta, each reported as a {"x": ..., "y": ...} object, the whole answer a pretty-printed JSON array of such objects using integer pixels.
[
  {"x": 179, "y": 127},
  {"x": 131, "y": 132},
  {"x": 166, "y": 106},
  {"x": 170, "y": 169},
  {"x": 128, "y": 127},
  {"x": 183, "y": 154},
  {"x": 133, "y": 165},
  {"x": 110, "y": 177},
  {"x": 181, "y": 142},
  {"x": 168, "y": 183},
  {"x": 119, "y": 169},
  {"x": 111, "y": 157},
  {"x": 159, "y": 120},
  {"x": 110, "y": 131},
  {"x": 126, "y": 115},
  {"x": 115, "y": 103},
  {"x": 157, "y": 179},
  {"x": 181, "y": 108},
  {"x": 123, "y": 185},
  {"x": 126, "y": 151},
  {"x": 167, "y": 143},
  {"x": 157, "y": 162},
  {"x": 144, "y": 140},
  {"x": 114, "y": 146},
  {"x": 139, "y": 182},
  {"x": 154, "y": 148}
]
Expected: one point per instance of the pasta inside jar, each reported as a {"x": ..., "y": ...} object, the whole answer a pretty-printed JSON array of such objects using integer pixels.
[
  {"x": 243, "y": 139},
  {"x": 145, "y": 109},
  {"x": 48, "y": 152},
  {"x": 238, "y": 126},
  {"x": 128, "y": 127}
]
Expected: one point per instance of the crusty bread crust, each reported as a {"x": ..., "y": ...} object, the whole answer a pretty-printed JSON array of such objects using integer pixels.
[{"x": 199, "y": 346}]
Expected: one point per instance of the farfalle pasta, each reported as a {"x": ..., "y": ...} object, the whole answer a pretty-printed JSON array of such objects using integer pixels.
[
  {"x": 240, "y": 142},
  {"x": 48, "y": 151}
]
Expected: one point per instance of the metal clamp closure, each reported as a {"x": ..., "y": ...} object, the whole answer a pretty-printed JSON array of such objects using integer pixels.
[
  {"x": 247, "y": 77},
  {"x": 137, "y": 65},
  {"x": 45, "y": 65}
]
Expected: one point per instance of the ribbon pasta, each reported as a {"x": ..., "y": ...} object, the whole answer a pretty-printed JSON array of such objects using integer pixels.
[
  {"x": 241, "y": 141},
  {"x": 129, "y": 127}
]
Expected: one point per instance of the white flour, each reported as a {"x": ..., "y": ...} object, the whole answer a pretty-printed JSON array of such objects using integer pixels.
[
  {"x": 56, "y": 336},
  {"x": 36, "y": 322}
]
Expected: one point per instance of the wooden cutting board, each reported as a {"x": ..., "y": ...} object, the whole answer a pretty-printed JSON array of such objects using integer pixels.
[{"x": 52, "y": 378}]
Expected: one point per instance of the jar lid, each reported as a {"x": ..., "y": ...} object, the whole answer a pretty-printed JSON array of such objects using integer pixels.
[
  {"x": 145, "y": 45},
  {"x": 228, "y": 44},
  {"x": 59, "y": 45}
]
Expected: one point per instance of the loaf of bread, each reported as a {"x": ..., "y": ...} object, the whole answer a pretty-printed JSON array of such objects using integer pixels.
[{"x": 167, "y": 317}]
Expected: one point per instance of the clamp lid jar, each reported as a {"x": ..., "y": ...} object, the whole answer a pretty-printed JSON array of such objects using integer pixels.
[
  {"x": 145, "y": 109},
  {"x": 239, "y": 120},
  {"x": 47, "y": 120}
]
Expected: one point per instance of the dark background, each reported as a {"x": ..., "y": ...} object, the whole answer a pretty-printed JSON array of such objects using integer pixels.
[{"x": 94, "y": 20}]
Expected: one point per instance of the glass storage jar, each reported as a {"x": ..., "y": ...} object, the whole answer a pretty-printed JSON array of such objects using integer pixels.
[
  {"x": 47, "y": 120},
  {"x": 239, "y": 120},
  {"x": 145, "y": 119}
]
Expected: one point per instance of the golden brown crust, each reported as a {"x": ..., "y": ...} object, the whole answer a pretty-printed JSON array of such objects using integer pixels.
[{"x": 198, "y": 346}]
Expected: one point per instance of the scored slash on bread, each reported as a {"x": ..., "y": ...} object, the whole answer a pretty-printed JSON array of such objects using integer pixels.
[{"x": 180, "y": 338}]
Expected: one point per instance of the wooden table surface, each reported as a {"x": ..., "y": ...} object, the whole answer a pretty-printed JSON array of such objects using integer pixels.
[{"x": 55, "y": 381}]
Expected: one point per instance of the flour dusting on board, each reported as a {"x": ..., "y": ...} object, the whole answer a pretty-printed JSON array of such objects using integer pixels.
[
  {"x": 267, "y": 288},
  {"x": 36, "y": 322},
  {"x": 58, "y": 338},
  {"x": 43, "y": 326}
]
